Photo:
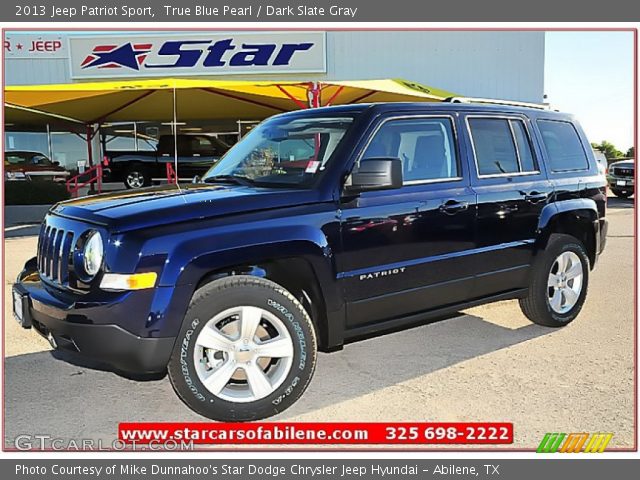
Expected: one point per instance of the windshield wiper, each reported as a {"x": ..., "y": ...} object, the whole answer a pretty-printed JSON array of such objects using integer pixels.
[{"x": 238, "y": 180}]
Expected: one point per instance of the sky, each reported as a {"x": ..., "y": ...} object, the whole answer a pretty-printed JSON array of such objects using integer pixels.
[{"x": 590, "y": 74}]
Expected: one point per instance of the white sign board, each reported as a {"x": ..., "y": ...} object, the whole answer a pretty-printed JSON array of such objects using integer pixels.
[
  {"x": 191, "y": 54},
  {"x": 27, "y": 45}
]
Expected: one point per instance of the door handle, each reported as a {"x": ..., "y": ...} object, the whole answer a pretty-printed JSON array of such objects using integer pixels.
[
  {"x": 535, "y": 197},
  {"x": 451, "y": 207}
]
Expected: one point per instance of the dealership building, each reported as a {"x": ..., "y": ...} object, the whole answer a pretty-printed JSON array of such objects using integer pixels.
[{"x": 504, "y": 65}]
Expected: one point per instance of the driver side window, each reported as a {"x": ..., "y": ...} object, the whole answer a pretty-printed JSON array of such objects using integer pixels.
[{"x": 425, "y": 147}]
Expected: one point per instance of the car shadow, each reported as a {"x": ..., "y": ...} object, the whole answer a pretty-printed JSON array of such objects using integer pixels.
[
  {"x": 619, "y": 203},
  {"x": 84, "y": 362},
  {"x": 80, "y": 398},
  {"x": 364, "y": 367}
]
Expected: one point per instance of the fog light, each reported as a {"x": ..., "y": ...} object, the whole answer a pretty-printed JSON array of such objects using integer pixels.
[{"x": 134, "y": 281}]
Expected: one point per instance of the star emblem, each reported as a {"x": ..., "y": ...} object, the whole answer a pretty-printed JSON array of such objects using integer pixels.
[{"x": 127, "y": 55}]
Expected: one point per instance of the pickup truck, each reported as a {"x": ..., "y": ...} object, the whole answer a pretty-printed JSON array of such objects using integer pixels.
[
  {"x": 321, "y": 227},
  {"x": 137, "y": 169},
  {"x": 30, "y": 165},
  {"x": 621, "y": 178}
]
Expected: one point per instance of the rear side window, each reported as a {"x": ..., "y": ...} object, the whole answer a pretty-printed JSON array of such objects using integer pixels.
[
  {"x": 563, "y": 146},
  {"x": 501, "y": 146}
]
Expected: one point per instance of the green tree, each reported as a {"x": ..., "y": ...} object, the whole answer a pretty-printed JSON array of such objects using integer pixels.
[
  {"x": 609, "y": 149},
  {"x": 631, "y": 153}
]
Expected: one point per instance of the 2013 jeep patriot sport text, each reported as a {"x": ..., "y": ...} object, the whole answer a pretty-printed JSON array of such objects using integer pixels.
[{"x": 320, "y": 227}]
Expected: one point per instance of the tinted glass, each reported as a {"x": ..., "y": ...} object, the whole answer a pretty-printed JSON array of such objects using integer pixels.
[
  {"x": 424, "y": 145},
  {"x": 284, "y": 151},
  {"x": 494, "y": 147},
  {"x": 524, "y": 147},
  {"x": 563, "y": 146}
]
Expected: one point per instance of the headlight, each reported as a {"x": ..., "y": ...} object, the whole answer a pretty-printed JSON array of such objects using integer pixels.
[{"x": 93, "y": 253}]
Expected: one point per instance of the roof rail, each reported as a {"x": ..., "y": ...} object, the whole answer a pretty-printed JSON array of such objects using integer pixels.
[{"x": 494, "y": 101}]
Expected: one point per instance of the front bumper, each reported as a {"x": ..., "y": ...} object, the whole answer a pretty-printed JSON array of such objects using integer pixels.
[
  {"x": 69, "y": 328},
  {"x": 621, "y": 183}
]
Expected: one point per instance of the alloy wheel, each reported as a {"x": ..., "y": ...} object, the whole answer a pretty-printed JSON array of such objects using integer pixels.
[
  {"x": 565, "y": 282},
  {"x": 243, "y": 354},
  {"x": 135, "y": 180}
]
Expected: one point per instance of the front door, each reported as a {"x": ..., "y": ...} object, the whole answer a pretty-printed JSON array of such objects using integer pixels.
[{"x": 404, "y": 250}]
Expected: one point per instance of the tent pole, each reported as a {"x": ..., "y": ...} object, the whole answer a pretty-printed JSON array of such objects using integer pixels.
[
  {"x": 362, "y": 97},
  {"x": 333, "y": 97},
  {"x": 313, "y": 93},
  {"x": 122, "y": 107},
  {"x": 90, "y": 152},
  {"x": 247, "y": 100},
  {"x": 292, "y": 98},
  {"x": 49, "y": 146},
  {"x": 175, "y": 135}
]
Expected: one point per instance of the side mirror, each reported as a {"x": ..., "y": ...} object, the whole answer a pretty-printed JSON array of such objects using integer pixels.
[
  {"x": 196, "y": 179},
  {"x": 56, "y": 163},
  {"x": 376, "y": 174}
]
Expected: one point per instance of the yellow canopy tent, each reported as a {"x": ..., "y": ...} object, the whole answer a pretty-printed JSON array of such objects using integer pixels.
[
  {"x": 153, "y": 100},
  {"x": 91, "y": 104}
]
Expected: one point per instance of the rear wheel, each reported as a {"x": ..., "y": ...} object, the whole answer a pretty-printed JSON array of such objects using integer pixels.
[
  {"x": 247, "y": 350},
  {"x": 136, "y": 176},
  {"x": 559, "y": 283}
]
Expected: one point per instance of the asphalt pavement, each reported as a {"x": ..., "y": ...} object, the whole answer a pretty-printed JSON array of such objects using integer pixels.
[{"x": 485, "y": 364}]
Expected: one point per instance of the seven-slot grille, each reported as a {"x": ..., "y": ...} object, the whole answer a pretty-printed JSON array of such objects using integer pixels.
[
  {"x": 623, "y": 172},
  {"x": 54, "y": 254}
]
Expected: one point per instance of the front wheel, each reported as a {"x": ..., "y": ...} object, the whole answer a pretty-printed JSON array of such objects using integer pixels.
[
  {"x": 559, "y": 283},
  {"x": 621, "y": 193},
  {"x": 246, "y": 351}
]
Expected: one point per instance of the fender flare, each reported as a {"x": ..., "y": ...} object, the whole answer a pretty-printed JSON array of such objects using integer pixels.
[
  {"x": 585, "y": 211},
  {"x": 582, "y": 206},
  {"x": 193, "y": 259}
]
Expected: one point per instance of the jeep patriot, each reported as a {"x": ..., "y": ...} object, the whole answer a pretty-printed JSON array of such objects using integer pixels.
[{"x": 319, "y": 228}]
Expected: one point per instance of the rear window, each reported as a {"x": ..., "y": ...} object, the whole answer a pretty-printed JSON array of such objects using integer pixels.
[
  {"x": 563, "y": 146},
  {"x": 501, "y": 146}
]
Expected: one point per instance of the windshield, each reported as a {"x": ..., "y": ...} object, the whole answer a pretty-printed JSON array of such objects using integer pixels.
[
  {"x": 283, "y": 152},
  {"x": 26, "y": 158}
]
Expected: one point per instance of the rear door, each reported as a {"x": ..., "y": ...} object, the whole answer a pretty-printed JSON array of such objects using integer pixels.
[
  {"x": 403, "y": 250},
  {"x": 512, "y": 188}
]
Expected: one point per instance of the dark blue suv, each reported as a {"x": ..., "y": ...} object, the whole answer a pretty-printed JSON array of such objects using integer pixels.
[{"x": 319, "y": 228}]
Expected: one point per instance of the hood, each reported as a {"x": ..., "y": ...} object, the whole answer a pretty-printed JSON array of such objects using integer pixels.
[
  {"x": 624, "y": 164},
  {"x": 121, "y": 211}
]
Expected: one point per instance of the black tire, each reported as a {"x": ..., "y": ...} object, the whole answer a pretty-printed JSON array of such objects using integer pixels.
[
  {"x": 136, "y": 176},
  {"x": 217, "y": 297},
  {"x": 621, "y": 193},
  {"x": 536, "y": 305}
]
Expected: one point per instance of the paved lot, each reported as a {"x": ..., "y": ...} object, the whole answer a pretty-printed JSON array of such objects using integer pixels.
[{"x": 487, "y": 364}]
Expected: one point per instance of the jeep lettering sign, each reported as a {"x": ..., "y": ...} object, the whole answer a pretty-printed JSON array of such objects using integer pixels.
[{"x": 197, "y": 54}]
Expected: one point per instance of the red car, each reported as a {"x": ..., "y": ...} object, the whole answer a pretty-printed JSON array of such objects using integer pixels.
[{"x": 26, "y": 165}]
